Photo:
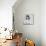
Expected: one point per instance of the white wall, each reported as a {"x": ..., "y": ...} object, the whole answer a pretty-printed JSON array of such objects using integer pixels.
[
  {"x": 43, "y": 22},
  {"x": 6, "y": 13},
  {"x": 6, "y": 18},
  {"x": 29, "y": 31}
]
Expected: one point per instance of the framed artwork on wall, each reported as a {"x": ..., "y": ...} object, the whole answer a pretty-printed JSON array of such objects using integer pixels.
[{"x": 29, "y": 19}]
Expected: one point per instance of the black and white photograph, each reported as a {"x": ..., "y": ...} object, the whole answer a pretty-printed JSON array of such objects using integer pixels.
[{"x": 29, "y": 20}]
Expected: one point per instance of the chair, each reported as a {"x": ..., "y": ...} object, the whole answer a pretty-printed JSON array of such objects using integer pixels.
[{"x": 29, "y": 43}]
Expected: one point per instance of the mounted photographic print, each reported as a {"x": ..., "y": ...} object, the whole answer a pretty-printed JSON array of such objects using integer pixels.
[{"x": 29, "y": 20}]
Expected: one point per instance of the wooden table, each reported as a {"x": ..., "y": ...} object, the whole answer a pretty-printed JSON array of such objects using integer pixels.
[{"x": 18, "y": 39}]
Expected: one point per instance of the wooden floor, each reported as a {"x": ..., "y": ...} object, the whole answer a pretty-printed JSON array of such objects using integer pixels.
[{"x": 9, "y": 43}]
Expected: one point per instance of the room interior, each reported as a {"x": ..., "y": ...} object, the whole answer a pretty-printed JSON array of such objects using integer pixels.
[{"x": 22, "y": 23}]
